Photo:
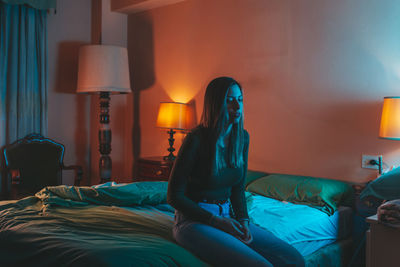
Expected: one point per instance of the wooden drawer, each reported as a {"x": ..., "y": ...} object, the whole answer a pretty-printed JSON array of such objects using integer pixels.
[
  {"x": 383, "y": 243},
  {"x": 153, "y": 169}
]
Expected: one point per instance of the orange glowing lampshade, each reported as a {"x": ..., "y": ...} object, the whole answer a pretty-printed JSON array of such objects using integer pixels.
[
  {"x": 390, "y": 121},
  {"x": 173, "y": 116}
]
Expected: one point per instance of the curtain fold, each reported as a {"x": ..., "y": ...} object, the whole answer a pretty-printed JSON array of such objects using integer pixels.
[{"x": 23, "y": 72}]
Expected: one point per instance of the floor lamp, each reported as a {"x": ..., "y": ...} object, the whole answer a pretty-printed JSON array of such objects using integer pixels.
[{"x": 103, "y": 70}]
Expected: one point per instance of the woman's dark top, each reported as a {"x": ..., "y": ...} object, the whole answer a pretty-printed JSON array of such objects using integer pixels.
[{"x": 193, "y": 180}]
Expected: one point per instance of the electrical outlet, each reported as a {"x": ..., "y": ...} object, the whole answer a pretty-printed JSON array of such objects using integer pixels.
[{"x": 366, "y": 161}]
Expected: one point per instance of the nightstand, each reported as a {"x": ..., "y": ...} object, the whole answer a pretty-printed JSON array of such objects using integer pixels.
[
  {"x": 383, "y": 243},
  {"x": 153, "y": 169}
]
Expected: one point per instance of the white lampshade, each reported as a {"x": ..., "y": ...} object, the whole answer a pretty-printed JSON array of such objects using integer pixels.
[
  {"x": 103, "y": 68},
  {"x": 390, "y": 121}
]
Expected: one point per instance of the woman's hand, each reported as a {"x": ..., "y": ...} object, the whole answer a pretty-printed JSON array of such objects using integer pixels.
[
  {"x": 246, "y": 237},
  {"x": 239, "y": 230},
  {"x": 389, "y": 211},
  {"x": 228, "y": 225}
]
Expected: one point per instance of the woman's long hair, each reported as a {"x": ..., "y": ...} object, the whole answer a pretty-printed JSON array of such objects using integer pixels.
[{"x": 215, "y": 118}]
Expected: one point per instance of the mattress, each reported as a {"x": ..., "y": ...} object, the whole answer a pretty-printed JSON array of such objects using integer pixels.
[{"x": 304, "y": 227}]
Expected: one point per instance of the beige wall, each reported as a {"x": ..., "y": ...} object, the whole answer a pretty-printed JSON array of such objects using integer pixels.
[
  {"x": 68, "y": 113},
  {"x": 314, "y": 75}
]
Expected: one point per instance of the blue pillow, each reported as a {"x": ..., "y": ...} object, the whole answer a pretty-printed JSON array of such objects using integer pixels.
[{"x": 386, "y": 186}]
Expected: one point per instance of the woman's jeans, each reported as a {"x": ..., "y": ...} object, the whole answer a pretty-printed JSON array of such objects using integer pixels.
[{"x": 219, "y": 248}]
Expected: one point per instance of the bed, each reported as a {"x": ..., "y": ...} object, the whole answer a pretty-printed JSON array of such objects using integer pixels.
[{"x": 131, "y": 224}]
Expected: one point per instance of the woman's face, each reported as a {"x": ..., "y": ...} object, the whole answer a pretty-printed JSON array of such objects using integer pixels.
[{"x": 234, "y": 104}]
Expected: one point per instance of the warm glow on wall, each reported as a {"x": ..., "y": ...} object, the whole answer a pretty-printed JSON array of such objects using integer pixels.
[
  {"x": 180, "y": 91},
  {"x": 182, "y": 97},
  {"x": 390, "y": 121}
]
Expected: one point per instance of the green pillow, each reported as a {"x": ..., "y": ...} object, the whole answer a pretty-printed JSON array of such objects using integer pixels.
[
  {"x": 253, "y": 175},
  {"x": 323, "y": 194},
  {"x": 386, "y": 186}
]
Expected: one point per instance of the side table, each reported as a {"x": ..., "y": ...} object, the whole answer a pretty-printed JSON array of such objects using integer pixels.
[
  {"x": 383, "y": 243},
  {"x": 153, "y": 169}
]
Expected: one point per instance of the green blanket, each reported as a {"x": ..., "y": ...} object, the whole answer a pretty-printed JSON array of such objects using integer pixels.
[{"x": 83, "y": 226}]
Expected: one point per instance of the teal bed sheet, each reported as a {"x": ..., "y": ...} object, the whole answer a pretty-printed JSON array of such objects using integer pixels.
[{"x": 304, "y": 227}]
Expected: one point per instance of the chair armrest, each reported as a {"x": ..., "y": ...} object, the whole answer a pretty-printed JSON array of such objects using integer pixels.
[
  {"x": 78, "y": 173},
  {"x": 15, "y": 176}
]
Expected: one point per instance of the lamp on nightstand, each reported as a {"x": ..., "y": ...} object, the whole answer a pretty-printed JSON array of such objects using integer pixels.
[
  {"x": 172, "y": 116},
  {"x": 390, "y": 121},
  {"x": 103, "y": 70},
  {"x": 387, "y": 185}
]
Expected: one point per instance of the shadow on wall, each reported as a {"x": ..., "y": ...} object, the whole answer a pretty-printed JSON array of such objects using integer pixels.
[
  {"x": 141, "y": 66},
  {"x": 66, "y": 81},
  {"x": 191, "y": 117},
  {"x": 67, "y": 72},
  {"x": 121, "y": 171}
]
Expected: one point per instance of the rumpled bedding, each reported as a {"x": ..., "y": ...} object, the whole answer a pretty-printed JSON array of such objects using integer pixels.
[
  {"x": 83, "y": 226},
  {"x": 107, "y": 225},
  {"x": 389, "y": 213}
]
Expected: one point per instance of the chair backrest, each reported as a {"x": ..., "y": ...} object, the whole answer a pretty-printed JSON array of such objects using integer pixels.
[{"x": 38, "y": 160}]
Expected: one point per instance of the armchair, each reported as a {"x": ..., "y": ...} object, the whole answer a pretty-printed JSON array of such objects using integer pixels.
[{"x": 35, "y": 162}]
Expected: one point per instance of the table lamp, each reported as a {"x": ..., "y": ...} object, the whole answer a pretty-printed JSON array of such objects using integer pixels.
[
  {"x": 172, "y": 116},
  {"x": 387, "y": 185},
  {"x": 390, "y": 123},
  {"x": 103, "y": 70}
]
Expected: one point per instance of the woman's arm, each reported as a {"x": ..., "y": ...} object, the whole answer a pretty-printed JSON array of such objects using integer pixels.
[
  {"x": 238, "y": 198},
  {"x": 184, "y": 164}
]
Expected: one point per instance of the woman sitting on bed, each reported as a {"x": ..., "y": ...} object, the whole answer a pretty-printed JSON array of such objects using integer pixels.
[{"x": 206, "y": 188}]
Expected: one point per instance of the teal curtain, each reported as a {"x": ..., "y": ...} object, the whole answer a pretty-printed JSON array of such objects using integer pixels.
[
  {"x": 38, "y": 4},
  {"x": 23, "y": 72}
]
